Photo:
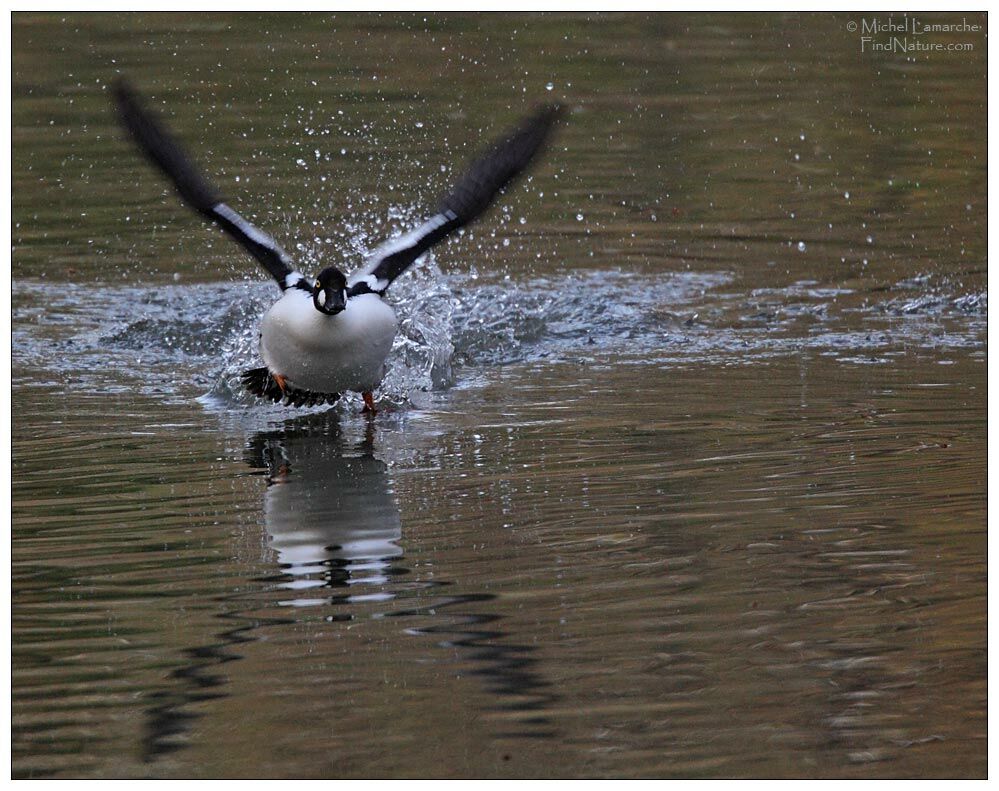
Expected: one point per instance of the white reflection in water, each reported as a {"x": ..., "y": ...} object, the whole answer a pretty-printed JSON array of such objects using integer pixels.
[{"x": 329, "y": 510}]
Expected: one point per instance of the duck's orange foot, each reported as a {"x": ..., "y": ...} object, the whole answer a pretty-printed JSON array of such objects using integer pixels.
[
  {"x": 282, "y": 382},
  {"x": 369, "y": 405}
]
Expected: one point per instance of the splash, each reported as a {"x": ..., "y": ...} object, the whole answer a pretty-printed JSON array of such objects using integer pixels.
[{"x": 176, "y": 342}]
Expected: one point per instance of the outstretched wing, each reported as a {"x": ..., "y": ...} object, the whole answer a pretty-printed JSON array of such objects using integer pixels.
[
  {"x": 471, "y": 196},
  {"x": 164, "y": 151}
]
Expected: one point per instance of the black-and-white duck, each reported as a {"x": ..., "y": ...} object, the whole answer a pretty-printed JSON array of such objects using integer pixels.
[{"x": 332, "y": 333}]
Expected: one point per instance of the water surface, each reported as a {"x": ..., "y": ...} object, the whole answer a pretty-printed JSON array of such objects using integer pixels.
[{"x": 682, "y": 466}]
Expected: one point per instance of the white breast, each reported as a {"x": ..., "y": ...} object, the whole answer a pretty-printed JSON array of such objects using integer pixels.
[{"x": 328, "y": 354}]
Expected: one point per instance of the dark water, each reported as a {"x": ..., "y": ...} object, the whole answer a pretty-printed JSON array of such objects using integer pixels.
[{"x": 682, "y": 470}]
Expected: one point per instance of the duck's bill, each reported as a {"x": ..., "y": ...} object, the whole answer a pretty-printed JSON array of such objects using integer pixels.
[{"x": 333, "y": 301}]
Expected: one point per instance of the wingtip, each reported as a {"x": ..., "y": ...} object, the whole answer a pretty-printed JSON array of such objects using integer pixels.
[
  {"x": 123, "y": 92},
  {"x": 542, "y": 125},
  {"x": 127, "y": 102},
  {"x": 543, "y": 121},
  {"x": 551, "y": 112}
]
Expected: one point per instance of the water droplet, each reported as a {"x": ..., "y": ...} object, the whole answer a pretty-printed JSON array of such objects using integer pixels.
[
  {"x": 579, "y": 217},
  {"x": 549, "y": 86},
  {"x": 801, "y": 247},
  {"x": 846, "y": 195}
]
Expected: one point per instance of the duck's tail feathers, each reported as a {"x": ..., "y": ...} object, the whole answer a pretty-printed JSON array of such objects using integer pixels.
[{"x": 260, "y": 383}]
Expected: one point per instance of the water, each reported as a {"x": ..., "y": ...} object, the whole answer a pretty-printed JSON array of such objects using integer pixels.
[{"x": 682, "y": 476}]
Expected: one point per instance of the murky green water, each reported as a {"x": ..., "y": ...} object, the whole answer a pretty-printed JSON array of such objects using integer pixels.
[{"x": 683, "y": 466}]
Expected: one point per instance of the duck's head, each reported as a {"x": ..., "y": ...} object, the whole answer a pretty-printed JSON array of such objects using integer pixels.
[{"x": 329, "y": 292}]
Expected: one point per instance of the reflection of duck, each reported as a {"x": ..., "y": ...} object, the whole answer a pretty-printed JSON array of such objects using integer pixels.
[
  {"x": 329, "y": 510},
  {"x": 332, "y": 518}
]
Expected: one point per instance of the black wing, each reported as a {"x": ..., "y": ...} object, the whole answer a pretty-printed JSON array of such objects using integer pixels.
[
  {"x": 164, "y": 151},
  {"x": 471, "y": 196}
]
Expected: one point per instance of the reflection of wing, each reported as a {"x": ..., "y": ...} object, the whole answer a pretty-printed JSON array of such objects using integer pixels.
[
  {"x": 165, "y": 152},
  {"x": 471, "y": 196}
]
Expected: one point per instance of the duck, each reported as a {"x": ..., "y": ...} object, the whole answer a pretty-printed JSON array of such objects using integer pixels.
[{"x": 332, "y": 333}]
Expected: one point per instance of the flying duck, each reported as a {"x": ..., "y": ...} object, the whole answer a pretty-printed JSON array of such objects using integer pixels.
[{"x": 332, "y": 333}]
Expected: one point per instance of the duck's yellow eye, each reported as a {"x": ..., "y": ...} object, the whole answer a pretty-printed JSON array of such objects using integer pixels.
[{"x": 318, "y": 285}]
